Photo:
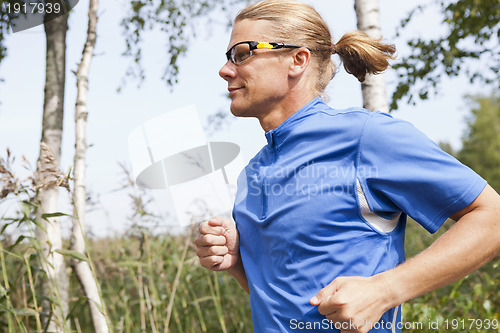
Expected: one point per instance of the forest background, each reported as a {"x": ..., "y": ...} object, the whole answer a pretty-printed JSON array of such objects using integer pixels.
[{"x": 140, "y": 264}]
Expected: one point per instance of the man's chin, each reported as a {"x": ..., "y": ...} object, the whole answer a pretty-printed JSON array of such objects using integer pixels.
[{"x": 239, "y": 111}]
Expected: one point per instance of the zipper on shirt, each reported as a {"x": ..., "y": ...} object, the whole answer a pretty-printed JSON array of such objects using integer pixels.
[
  {"x": 264, "y": 183},
  {"x": 273, "y": 149},
  {"x": 263, "y": 214}
]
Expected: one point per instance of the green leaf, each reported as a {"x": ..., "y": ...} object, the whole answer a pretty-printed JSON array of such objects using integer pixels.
[
  {"x": 131, "y": 263},
  {"x": 39, "y": 224},
  {"x": 3, "y": 292},
  {"x": 13, "y": 254},
  {"x": 18, "y": 240},
  {"x": 57, "y": 214},
  {"x": 73, "y": 254},
  {"x": 25, "y": 312},
  {"x": 27, "y": 203},
  {"x": 98, "y": 306},
  {"x": 35, "y": 242},
  {"x": 203, "y": 299}
]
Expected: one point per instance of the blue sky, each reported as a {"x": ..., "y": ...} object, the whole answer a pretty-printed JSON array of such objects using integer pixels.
[{"x": 112, "y": 115}]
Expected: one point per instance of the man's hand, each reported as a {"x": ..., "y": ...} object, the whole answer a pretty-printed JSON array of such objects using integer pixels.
[
  {"x": 218, "y": 244},
  {"x": 354, "y": 304}
]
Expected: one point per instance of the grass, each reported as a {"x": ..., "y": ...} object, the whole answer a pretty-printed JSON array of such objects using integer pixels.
[
  {"x": 152, "y": 282},
  {"x": 149, "y": 283}
]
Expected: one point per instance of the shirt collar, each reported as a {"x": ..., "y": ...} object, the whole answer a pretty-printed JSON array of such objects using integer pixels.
[{"x": 279, "y": 134}]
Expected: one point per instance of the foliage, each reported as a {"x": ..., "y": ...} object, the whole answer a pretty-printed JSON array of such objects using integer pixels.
[
  {"x": 472, "y": 38},
  {"x": 137, "y": 275},
  {"x": 447, "y": 147},
  {"x": 149, "y": 282},
  {"x": 5, "y": 20},
  {"x": 176, "y": 19},
  {"x": 154, "y": 281},
  {"x": 464, "y": 306},
  {"x": 481, "y": 143},
  {"x": 22, "y": 274}
]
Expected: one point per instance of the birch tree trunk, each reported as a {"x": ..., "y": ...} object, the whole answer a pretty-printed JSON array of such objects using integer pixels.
[
  {"x": 82, "y": 269},
  {"x": 373, "y": 88},
  {"x": 56, "y": 285}
]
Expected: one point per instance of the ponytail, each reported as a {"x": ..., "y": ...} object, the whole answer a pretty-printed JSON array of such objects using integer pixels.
[{"x": 362, "y": 54}]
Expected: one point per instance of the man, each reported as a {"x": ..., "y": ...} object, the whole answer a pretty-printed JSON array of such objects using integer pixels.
[{"x": 320, "y": 211}]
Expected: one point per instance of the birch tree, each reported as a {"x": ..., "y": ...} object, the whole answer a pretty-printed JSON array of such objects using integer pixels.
[
  {"x": 373, "y": 88},
  {"x": 82, "y": 268},
  {"x": 55, "y": 287}
]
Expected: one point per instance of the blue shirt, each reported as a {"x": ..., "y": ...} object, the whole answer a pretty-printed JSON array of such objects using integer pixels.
[{"x": 328, "y": 196}]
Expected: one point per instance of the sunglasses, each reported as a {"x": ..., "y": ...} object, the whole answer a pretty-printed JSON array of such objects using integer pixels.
[{"x": 240, "y": 52}]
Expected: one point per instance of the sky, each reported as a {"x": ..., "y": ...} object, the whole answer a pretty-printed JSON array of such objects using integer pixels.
[{"x": 113, "y": 116}]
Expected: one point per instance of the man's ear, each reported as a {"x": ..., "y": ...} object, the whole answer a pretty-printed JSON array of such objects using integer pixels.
[{"x": 301, "y": 60}]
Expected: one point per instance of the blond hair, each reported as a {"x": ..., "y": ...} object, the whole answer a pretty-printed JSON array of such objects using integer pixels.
[{"x": 298, "y": 23}]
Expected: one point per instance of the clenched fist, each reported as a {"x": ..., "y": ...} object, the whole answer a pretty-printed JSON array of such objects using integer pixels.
[{"x": 218, "y": 244}]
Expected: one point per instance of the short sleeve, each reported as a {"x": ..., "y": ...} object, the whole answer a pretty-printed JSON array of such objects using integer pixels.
[{"x": 401, "y": 170}]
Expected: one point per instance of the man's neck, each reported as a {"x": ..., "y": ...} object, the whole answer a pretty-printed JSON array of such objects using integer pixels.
[{"x": 282, "y": 112}]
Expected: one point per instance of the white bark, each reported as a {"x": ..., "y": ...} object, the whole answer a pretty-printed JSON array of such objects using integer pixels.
[
  {"x": 56, "y": 285},
  {"x": 53, "y": 263},
  {"x": 373, "y": 88},
  {"x": 81, "y": 268}
]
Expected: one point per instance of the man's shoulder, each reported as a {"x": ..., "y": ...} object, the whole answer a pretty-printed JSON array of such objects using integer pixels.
[
  {"x": 335, "y": 121},
  {"x": 353, "y": 112},
  {"x": 327, "y": 113}
]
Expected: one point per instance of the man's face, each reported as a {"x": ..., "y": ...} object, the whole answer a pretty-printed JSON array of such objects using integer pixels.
[{"x": 259, "y": 84}]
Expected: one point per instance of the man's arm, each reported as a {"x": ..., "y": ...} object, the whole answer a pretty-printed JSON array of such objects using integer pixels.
[
  {"x": 471, "y": 242},
  {"x": 238, "y": 272}
]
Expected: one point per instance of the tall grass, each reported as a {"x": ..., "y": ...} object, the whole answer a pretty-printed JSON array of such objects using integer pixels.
[
  {"x": 20, "y": 258},
  {"x": 152, "y": 282},
  {"x": 155, "y": 284}
]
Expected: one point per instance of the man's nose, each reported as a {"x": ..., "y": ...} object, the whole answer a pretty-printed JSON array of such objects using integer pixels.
[{"x": 228, "y": 71}]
